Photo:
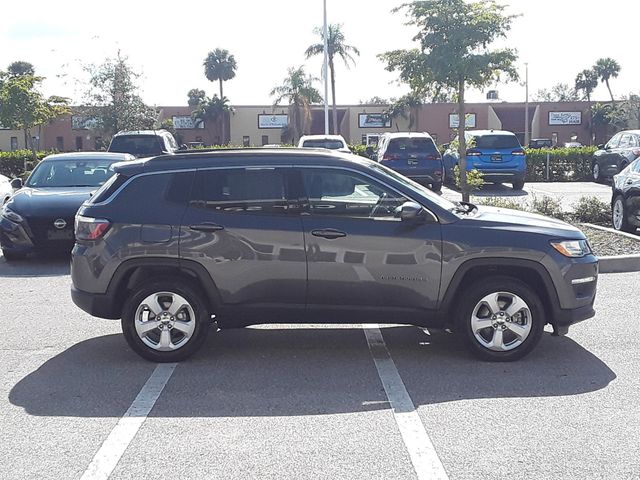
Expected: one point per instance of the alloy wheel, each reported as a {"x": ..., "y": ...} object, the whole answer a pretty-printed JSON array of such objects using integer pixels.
[
  {"x": 618, "y": 214},
  {"x": 165, "y": 321}
]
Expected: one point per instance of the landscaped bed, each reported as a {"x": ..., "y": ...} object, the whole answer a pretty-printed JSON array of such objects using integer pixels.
[{"x": 606, "y": 244}]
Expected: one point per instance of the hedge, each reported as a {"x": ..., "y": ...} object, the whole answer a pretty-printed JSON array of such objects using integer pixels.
[
  {"x": 565, "y": 164},
  {"x": 12, "y": 163}
]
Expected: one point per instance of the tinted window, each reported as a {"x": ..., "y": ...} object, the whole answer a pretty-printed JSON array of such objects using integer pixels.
[
  {"x": 625, "y": 141},
  {"x": 330, "y": 144},
  {"x": 109, "y": 187},
  {"x": 337, "y": 192},
  {"x": 71, "y": 173},
  {"x": 412, "y": 146},
  {"x": 496, "y": 142},
  {"x": 138, "y": 145},
  {"x": 260, "y": 190},
  {"x": 613, "y": 143}
]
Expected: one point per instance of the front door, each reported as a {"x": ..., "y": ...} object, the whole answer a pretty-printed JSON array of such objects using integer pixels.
[
  {"x": 364, "y": 263},
  {"x": 241, "y": 226}
]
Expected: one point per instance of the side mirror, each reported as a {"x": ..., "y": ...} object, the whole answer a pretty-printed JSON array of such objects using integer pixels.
[
  {"x": 411, "y": 212},
  {"x": 601, "y": 146},
  {"x": 16, "y": 183}
]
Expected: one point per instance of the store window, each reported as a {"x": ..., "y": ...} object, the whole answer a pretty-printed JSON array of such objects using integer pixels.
[
  {"x": 60, "y": 144},
  {"x": 246, "y": 141},
  {"x": 265, "y": 139},
  {"x": 78, "y": 143},
  {"x": 14, "y": 144}
]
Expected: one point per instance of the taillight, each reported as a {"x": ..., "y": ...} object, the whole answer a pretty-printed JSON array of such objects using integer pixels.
[
  {"x": 517, "y": 152},
  {"x": 89, "y": 228},
  {"x": 473, "y": 153},
  {"x": 391, "y": 156}
]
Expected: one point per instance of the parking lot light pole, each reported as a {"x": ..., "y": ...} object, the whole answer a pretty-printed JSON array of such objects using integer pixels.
[
  {"x": 326, "y": 71},
  {"x": 526, "y": 104}
]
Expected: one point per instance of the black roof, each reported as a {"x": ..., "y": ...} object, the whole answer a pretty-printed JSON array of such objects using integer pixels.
[{"x": 239, "y": 157}]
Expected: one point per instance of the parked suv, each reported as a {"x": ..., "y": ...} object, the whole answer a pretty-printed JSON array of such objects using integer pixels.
[
  {"x": 297, "y": 235},
  {"x": 496, "y": 153},
  {"x": 331, "y": 142},
  {"x": 612, "y": 158},
  {"x": 625, "y": 198},
  {"x": 143, "y": 143},
  {"x": 414, "y": 155}
]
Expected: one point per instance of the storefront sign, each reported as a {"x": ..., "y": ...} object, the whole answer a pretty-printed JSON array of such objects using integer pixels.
[
  {"x": 565, "y": 118},
  {"x": 374, "y": 120},
  {"x": 185, "y": 122},
  {"x": 469, "y": 121},
  {"x": 273, "y": 121}
]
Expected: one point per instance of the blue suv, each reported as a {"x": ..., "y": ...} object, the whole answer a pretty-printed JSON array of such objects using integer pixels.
[{"x": 496, "y": 153}]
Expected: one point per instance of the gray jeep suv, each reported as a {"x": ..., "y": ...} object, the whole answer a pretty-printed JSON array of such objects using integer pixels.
[{"x": 245, "y": 237}]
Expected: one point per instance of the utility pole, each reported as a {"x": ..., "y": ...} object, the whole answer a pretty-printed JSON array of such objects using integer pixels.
[
  {"x": 326, "y": 72},
  {"x": 526, "y": 105}
]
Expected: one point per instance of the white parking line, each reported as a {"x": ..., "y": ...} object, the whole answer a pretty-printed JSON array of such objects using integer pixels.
[
  {"x": 109, "y": 454},
  {"x": 423, "y": 455}
]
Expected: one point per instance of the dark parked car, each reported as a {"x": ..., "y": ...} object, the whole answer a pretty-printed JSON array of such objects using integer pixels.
[
  {"x": 612, "y": 158},
  {"x": 625, "y": 201},
  {"x": 299, "y": 235},
  {"x": 540, "y": 143},
  {"x": 39, "y": 217},
  {"x": 496, "y": 153},
  {"x": 414, "y": 155},
  {"x": 144, "y": 143}
]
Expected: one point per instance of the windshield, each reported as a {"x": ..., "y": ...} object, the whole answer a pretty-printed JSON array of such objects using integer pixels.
[
  {"x": 330, "y": 144},
  {"x": 139, "y": 145},
  {"x": 415, "y": 187},
  {"x": 496, "y": 142},
  {"x": 71, "y": 173}
]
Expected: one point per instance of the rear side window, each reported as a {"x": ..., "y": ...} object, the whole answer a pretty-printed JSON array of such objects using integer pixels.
[
  {"x": 138, "y": 145},
  {"x": 260, "y": 190},
  {"x": 412, "y": 146},
  {"x": 491, "y": 142}
]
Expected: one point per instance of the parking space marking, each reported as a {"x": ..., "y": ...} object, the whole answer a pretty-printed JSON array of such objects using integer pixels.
[
  {"x": 109, "y": 454},
  {"x": 423, "y": 455}
]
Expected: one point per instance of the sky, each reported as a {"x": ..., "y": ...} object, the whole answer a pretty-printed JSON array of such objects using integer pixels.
[{"x": 167, "y": 44}]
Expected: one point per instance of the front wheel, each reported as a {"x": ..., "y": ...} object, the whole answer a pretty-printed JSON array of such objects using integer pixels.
[
  {"x": 165, "y": 320},
  {"x": 619, "y": 216},
  {"x": 501, "y": 319},
  {"x": 518, "y": 184}
]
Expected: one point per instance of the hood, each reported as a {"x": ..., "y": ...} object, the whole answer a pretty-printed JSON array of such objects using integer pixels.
[
  {"x": 518, "y": 221},
  {"x": 49, "y": 202}
]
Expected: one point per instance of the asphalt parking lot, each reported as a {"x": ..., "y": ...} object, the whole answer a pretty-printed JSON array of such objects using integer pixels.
[{"x": 308, "y": 401}]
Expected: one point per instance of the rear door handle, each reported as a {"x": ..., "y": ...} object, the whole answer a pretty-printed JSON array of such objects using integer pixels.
[
  {"x": 206, "y": 227},
  {"x": 328, "y": 233}
]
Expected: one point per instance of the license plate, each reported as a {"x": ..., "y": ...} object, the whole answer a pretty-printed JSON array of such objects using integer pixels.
[
  {"x": 496, "y": 158},
  {"x": 60, "y": 234},
  {"x": 412, "y": 162}
]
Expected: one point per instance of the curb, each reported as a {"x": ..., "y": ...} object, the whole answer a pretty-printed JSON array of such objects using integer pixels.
[{"x": 617, "y": 263}]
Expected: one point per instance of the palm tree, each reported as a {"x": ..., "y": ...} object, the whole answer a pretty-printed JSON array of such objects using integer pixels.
[
  {"x": 221, "y": 66},
  {"x": 298, "y": 89},
  {"x": 336, "y": 46},
  {"x": 606, "y": 68},
  {"x": 216, "y": 110},
  {"x": 586, "y": 82},
  {"x": 405, "y": 107}
]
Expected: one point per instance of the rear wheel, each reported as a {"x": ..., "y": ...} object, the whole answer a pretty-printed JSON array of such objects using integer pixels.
[
  {"x": 518, "y": 184},
  {"x": 595, "y": 171},
  {"x": 619, "y": 216},
  {"x": 165, "y": 320},
  {"x": 501, "y": 319}
]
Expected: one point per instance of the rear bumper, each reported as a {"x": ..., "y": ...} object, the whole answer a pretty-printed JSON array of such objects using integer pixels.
[{"x": 98, "y": 305}]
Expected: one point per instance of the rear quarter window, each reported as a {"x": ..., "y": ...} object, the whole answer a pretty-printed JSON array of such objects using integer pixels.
[{"x": 108, "y": 188}]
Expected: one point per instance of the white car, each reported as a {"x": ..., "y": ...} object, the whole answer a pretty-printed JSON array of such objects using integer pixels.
[
  {"x": 331, "y": 142},
  {"x": 6, "y": 190}
]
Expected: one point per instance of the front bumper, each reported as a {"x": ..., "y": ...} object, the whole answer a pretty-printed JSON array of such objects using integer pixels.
[{"x": 23, "y": 238}]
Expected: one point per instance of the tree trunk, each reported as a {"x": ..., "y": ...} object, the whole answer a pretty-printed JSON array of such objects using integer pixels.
[
  {"x": 221, "y": 94},
  {"x": 335, "y": 130},
  {"x": 591, "y": 135},
  {"x": 609, "y": 88},
  {"x": 462, "y": 161}
]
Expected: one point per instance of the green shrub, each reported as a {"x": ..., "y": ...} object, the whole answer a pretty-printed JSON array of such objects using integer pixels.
[
  {"x": 12, "y": 163},
  {"x": 565, "y": 164},
  {"x": 361, "y": 150},
  {"x": 592, "y": 210},
  {"x": 500, "y": 203},
  {"x": 548, "y": 206},
  {"x": 474, "y": 179}
]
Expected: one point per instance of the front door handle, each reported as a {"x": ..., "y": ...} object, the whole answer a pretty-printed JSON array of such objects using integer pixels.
[
  {"x": 328, "y": 233},
  {"x": 206, "y": 227}
]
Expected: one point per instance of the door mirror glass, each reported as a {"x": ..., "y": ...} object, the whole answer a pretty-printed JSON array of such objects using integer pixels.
[{"x": 411, "y": 212}]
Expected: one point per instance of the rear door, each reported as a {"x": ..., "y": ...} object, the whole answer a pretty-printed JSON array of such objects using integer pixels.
[
  {"x": 241, "y": 225},
  {"x": 364, "y": 263}
]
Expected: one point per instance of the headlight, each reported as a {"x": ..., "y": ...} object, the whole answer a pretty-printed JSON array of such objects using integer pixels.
[
  {"x": 572, "y": 248},
  {"x": 11, "y": 215}
]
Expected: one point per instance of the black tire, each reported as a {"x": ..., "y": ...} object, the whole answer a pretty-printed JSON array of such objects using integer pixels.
[
  {"x": 518, "y": 184},
  {"x": 10, "y": 256},
  {"x": 534, "y": 319},
  {"x": 623, "y": 224},
  {"x": 202, "y": 318},
  {"x": 436, "y": 187}
]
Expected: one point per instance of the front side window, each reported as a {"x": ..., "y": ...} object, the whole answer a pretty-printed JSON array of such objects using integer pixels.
[
  {"x": 343, "y": 193},
  {"x": 240, "y": 190},
  {"x": 625, "y": 141}
]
